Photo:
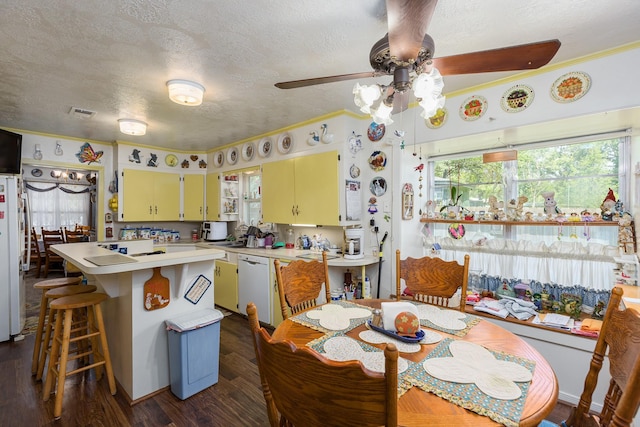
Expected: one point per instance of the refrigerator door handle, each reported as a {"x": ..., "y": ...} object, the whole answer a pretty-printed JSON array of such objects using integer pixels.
[{"x": 27, "y": 230}]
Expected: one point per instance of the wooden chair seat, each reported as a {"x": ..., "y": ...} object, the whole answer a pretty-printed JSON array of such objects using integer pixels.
[
  {"x": 300, "y": 283},
  {"x": 432, "y": 280},
  {"x": 45, "y": 286},
  {"x": 96, "y": 351},
  {"x": 303, "y": 388},
  {"x": 49, "y": 323}
]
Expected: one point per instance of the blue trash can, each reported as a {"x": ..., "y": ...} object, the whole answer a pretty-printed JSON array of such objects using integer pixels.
[{"x": 194, "y": 351}]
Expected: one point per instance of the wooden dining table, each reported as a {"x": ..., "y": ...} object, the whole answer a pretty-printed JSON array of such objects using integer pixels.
[{"x": 417, "y": 407}]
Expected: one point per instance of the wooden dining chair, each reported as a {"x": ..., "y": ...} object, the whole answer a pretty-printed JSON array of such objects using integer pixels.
[
  {"x": 300, "y": 283},
  {"x": 620, "y": 335},
  {"x": 303, "y": 388},
  {"x": 73, "y": 236},
  {"x": 37, "y": 255},
  {"x": 51, "y": 237},
  {"x": 432, "y": 280}
]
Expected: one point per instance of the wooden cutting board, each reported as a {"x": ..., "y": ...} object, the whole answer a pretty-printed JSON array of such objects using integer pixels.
[{"x": 156, "y": 291}]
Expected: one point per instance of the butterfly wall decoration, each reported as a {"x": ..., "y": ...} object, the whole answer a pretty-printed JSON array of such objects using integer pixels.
[{"x": 88, "y": 155}]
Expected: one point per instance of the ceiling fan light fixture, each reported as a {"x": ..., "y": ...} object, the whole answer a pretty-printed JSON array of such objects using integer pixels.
[
  {"x": 132, "y": 127},
  {"x": 364, "y": 96},
  {"x": 382, "y": 115},
  {"x": 427, "y": 87},
  {"x": 185, "y": 92}
]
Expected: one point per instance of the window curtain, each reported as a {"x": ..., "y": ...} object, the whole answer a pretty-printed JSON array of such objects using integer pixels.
[{"x": 58, "y": 205}]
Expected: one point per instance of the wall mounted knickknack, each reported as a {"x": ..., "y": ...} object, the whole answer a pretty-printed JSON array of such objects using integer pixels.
[
  {"x": 355, "y": 143},
  {"x": 314, "y": 138},
  {"x": 473, "y": 108},
  {"x": 202, "y": 164},
  {"x": 194, "y": 157},
  {"x": 218, "y": 159},
  {"x": 570, "y": 87},
  {"x": 264, "y": 147},
  {"x": 232, "y": 156},
  {"x": 327, "y": 138},
  {"x": 58, "y": 151},
  {"x": 153, "y": 160},
  {"x": 354, "y": 171},
  {"x": 376, "y": 131},
  {"x": 438, "y": 119},
  {"x": 517, "y": 98},
  {"x": 156, "y": 291},
  {"x": 88, "y": 155},
  {"x": 378, "y": 186},
  {"x": 171, "y": 160},
  {"x": 285, "y": 142},
  {"x": 185, "y": 164},
  {"x": 197, "y": 289},
  {"x": 407, "y": 201},
  {"x": 248, "y": 150},
  {"x": 378, "y": 160},
  {"x": 134, "y": 157}
]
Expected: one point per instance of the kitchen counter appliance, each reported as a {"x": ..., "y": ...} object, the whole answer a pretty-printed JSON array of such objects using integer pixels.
[{"x": 214, "y": 230}]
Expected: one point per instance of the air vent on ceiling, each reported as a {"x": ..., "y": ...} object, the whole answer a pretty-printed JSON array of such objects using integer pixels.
[{"x": 82, "y": 113}]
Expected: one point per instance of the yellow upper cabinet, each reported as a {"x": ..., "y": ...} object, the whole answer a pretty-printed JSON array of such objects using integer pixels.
[
  {"x": 193, "y": 197},
  {"x": 150, "y": 196},
  {"x": 212, "y": 211},
  {"x": 303, "y": 190}
]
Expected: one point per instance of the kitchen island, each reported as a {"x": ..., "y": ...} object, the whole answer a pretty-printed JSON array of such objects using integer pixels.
[{"x": 137, "y": 336}]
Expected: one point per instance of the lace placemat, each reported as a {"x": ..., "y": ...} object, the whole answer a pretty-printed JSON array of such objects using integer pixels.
[
  {"x": 340, "y": 347},
  {"x": 496, "y": 372},
  {"x": 337, "y": 316},
  {"x": 452, "y": 322}
]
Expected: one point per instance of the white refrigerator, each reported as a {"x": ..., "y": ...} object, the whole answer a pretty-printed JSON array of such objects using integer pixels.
[{"x": 12, "y": 251}]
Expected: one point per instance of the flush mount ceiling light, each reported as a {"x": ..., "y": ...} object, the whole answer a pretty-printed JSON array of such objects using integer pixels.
[
  {"x": 185, "y": 92},
  {"x": 132, "y": 127}
]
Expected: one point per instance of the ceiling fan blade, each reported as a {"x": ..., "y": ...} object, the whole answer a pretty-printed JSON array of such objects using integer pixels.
[
  {"x": 407, "y": 22},
  {"x": 521, "y": 57},
  {"x": 322, "y": 80}
]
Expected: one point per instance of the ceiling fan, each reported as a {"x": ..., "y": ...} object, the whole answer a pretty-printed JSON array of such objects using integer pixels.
[{"x": 406, "y": 51}]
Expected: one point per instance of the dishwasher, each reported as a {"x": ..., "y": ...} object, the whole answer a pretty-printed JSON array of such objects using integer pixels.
[{"x": 254, "y": 285}]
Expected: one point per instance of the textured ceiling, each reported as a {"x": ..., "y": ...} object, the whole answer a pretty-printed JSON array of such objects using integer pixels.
[{"x": 114, "y": 57}]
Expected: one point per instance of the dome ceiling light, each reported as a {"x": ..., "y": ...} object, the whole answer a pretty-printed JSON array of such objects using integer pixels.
[
  {"x": 185, "y": 92},
  {"x": 132, "y": 127}
]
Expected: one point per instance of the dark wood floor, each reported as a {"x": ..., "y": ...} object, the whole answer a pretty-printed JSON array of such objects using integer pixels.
[{"x": 235, "y": 401}]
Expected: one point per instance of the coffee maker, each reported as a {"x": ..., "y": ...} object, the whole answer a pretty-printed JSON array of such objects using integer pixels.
[{"x": 353, "y": 243}]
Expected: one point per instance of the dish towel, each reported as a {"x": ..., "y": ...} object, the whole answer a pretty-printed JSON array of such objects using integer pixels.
[{"x": 391, "y": 309}]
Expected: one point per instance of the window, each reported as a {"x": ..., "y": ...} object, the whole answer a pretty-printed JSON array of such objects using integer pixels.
[
  {"x": 580, "y": 176},
  {"x": 63, "y": 205}
]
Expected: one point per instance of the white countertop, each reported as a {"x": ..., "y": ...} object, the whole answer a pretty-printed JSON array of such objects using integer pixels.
[
  {"x": 177, "y": 253},
  {"x": 292, "y": 254}
]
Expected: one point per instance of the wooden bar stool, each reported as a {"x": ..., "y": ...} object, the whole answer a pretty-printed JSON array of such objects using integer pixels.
[
  {"x": 67, "y": 307},
  {"x": 50, "y": 295},
  {"x": 45, "y": 286}
]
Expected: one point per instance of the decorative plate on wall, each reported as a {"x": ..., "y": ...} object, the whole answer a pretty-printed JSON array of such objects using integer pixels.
[
  {"x": 232, "y": 155},
  {"x": 438, "y": 119},
  {"x": 516, "y": 99},
  {"x": 265, "y": 146},
  {"x": 248, "y": 150},
  {"x": 378, "y": 186},
  {"x": 218, "y": 159},
  {"x": 354, "y": 171},
  {"x": 285, "y": 142},
  {"x": 377, "y": 160},
  {"x": 171, "y": 160},
  {"x": 570, "y": 87},
  {"x": 473, "y": 108},
  {"x": 36, "y": 172},
  {"x": 375, "y": 132}
]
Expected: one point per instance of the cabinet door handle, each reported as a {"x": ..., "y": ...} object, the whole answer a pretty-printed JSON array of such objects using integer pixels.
[
  {"x": 297, "y": 211},
  {"x": 207, "y": 210},
  {"x": 150, "y": 210},
  {"x": 201, "y": 210},
  {"x": 293, "y": 210},
  {"x": 156, "y": 210}
]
